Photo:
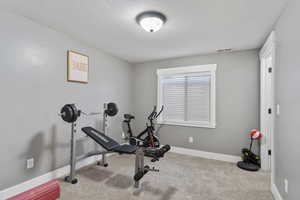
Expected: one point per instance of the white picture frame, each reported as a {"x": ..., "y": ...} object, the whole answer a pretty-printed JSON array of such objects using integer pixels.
[{"x": 78, "y": 67}]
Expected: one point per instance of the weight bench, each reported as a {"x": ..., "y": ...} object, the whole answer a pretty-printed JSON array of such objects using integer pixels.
[
  {"x": 111, "y": 146},
  {"x": 69, "y": 115},
  {"x": 108, "y": 143}
]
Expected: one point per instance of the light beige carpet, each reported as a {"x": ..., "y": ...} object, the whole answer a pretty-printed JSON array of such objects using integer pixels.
[{"x": 180, "y": 178}]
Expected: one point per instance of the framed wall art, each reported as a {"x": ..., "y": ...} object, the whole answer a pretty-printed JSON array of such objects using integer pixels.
[{"x": 78, "y": 67}]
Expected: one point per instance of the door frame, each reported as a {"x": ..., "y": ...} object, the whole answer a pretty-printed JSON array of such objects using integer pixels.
[{"x": 268, "y": 49}]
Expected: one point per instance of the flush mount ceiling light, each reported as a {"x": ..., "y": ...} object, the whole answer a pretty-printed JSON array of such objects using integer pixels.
[{"x": 151, "y": 21}]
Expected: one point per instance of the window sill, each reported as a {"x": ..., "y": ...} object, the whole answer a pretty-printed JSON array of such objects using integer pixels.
[{"x": 187, "y": 124}]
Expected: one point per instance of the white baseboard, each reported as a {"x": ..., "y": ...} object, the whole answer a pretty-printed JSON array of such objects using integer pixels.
[
  {"x": 204, "y": 154},
  {"x": 58, "y": 173},
  {"x": 275, "y": 192}
]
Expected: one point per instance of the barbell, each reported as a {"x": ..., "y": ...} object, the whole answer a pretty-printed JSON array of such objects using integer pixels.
[{"x": 69, "y": 112}]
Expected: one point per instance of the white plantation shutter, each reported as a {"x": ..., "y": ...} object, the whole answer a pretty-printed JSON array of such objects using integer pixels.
[
  {"x": 188, "y": 96},
  {"x": 198, "y": 98},
  {"x": 174, "y": 98}
]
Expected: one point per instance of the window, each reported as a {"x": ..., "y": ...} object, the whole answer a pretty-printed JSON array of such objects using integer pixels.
[{"x": 188, "y": 95}]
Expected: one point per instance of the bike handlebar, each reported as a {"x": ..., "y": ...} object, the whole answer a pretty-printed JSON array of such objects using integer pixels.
[
  {"x": 154, "y": 114},
  {"x": 157, "y": 115}
]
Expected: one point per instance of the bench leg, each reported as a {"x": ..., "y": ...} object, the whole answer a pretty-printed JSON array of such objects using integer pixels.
[
  {"x": 103, "y": 161},
  {"x": 139, "y": 164}
]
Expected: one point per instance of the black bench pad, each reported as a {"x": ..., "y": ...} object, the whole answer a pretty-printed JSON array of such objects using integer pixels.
[
  {"x": 125, "y": 148},
  {"x": 108, "y": 143}
]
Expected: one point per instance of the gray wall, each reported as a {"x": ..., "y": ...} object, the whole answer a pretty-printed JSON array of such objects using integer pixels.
[
  {"x": 237, "y": 108},
  {"x": 33, "y": 89},
  {"x": 287, "y": 132}
]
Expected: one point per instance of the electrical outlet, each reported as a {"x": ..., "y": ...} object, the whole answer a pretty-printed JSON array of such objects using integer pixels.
[
  {"x": 286, "y": 186},
  {"x": 30, "y": 163},
  {"x": 191, "y": 140},
  {"x": 277, "y": 109}
]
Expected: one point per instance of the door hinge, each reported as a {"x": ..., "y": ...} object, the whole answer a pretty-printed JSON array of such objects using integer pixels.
[
  {"x": 270, "y": 69},
  {"x": 269, "y": 152},
  {"x": 270, "y": 111}
]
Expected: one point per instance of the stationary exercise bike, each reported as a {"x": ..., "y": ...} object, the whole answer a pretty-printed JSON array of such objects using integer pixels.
[{"x": 146, "y": 138}]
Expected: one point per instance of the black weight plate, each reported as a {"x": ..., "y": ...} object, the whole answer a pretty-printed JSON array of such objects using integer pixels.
[
  {"x": 75, "y": 112},
  {"x": 112, "y": 109},
  {"x": 68, "y": 114}
]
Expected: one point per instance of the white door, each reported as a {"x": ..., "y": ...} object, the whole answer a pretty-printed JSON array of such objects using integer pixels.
[
  {"x": 267, "y": 108},
  {"x": 267, "y": 60}
]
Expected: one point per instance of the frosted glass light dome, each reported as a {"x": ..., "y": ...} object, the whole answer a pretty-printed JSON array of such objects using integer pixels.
[{"x": 151, "y": 21}]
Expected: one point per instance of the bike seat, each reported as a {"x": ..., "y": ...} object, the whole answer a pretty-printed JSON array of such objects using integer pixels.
[{"x": 128, "y": 116}]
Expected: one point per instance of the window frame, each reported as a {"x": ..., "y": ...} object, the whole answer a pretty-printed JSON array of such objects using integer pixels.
[{"x": 184, "y": 71}]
